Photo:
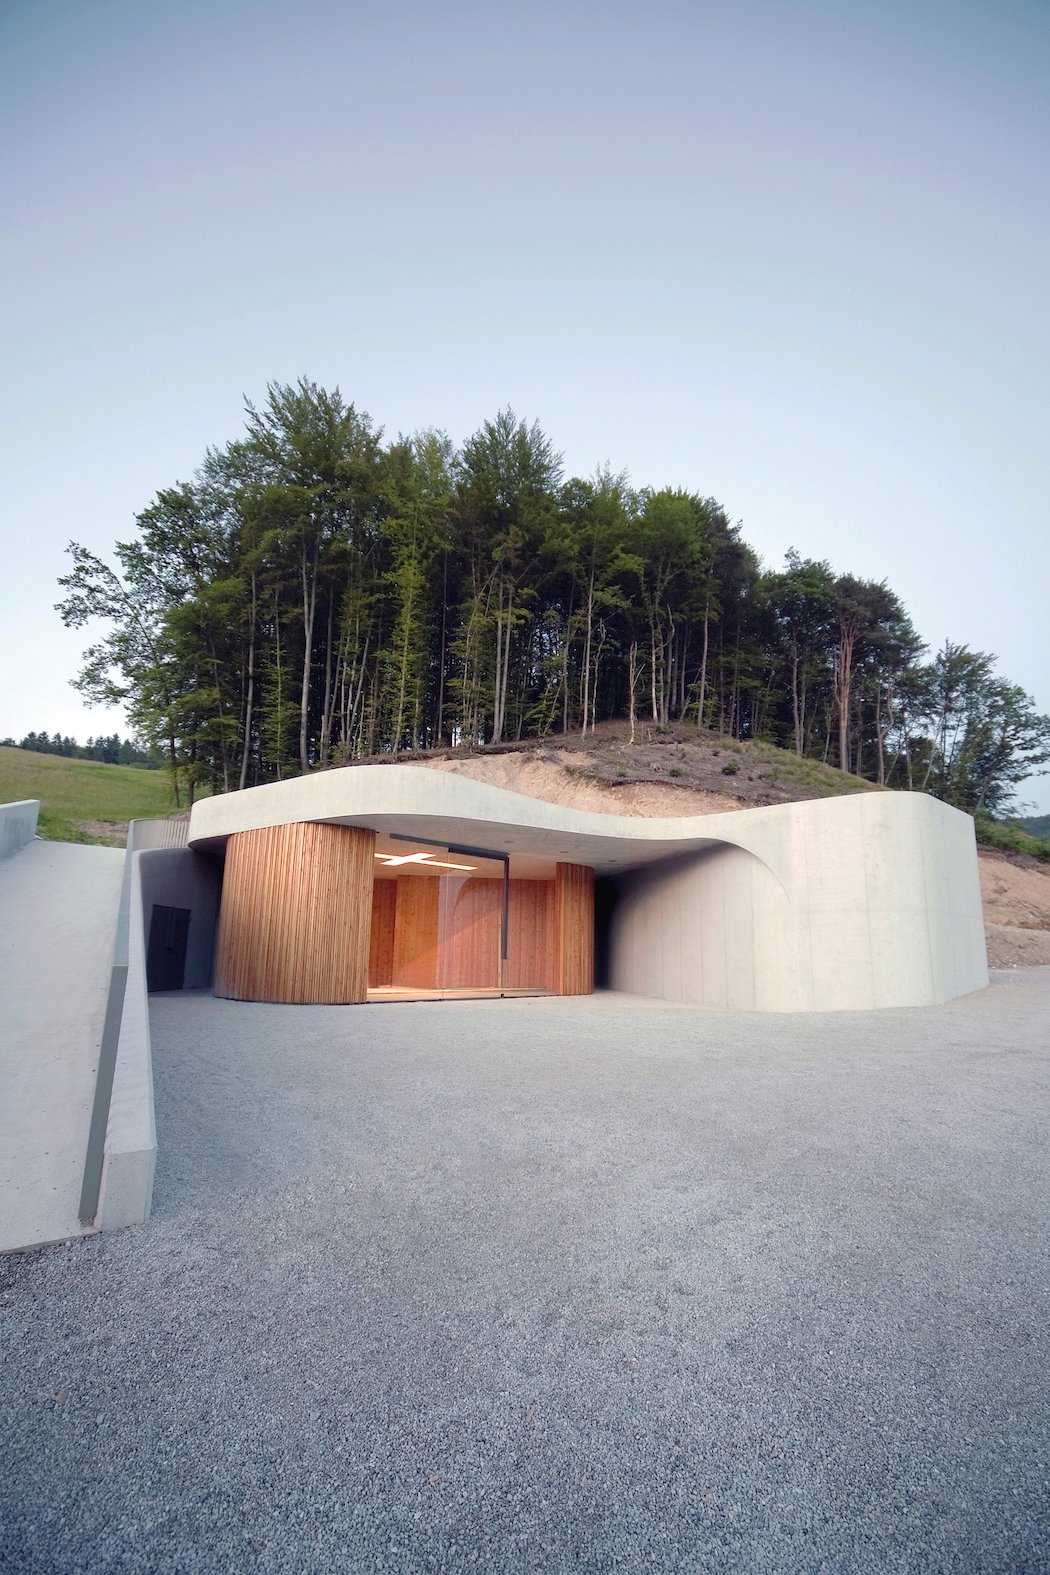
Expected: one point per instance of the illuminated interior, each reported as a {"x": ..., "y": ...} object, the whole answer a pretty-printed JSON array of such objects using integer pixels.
[{"x": 450, "y": 922}]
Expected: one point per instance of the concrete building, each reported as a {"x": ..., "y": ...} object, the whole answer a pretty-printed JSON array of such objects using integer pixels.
[{"x": 383, "y": 882}]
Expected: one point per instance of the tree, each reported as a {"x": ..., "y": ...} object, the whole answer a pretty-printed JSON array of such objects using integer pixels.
[
  {"x": 986, "y": 733},
  {"x": 319, "y": 461},
  {"x": 134, "y": 661},
  {"x": 508, "y": 475},
  {"x": 588, "y": 552},
  {"x": 418, "y": 492},
  {"x": 801, "y": 602},
  {"x": 667, "y": 547},
  {"x": 869, "y": 618},
  {"x": 313, "y": 595}
]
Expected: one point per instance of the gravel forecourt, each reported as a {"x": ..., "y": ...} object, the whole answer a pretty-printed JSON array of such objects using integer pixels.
[{"x": 586, "y": 1284}]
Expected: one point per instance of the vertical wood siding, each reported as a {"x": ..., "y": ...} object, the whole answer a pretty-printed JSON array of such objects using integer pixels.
[
  {"x": 530, "y": 959},
  {"x": 471, "y": 913},
  {"x": 381, "y": 944},
  {"x": 296, "y": 912},
  {"x": 431, "y": 934},
  {"x": 416, "y": 933},
  {"x": 574, "y": 929}
]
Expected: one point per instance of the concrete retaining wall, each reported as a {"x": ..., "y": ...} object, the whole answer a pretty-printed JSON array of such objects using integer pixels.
[
  {"x": 17, "y": 825},
  {"x": 126, "y": 1194},
  {"x": 158, "y": 868},
  {"x": 178, "y": 878},
  {"x": 143, "y": 834}
]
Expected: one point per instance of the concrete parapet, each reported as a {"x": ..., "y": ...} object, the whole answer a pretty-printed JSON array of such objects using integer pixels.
[
  {"x": 159, "y": 868},
  {"x": 17, "y": 825},
  {"x": 126, "y": 1192},
  {"x": 158, "y": 833}
]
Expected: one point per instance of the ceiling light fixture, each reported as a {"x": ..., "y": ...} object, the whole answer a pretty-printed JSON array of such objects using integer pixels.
[{"x": 394, "y": 859}]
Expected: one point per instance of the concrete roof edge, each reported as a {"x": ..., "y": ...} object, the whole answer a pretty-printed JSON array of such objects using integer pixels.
[{"x": 456, "y": 807}]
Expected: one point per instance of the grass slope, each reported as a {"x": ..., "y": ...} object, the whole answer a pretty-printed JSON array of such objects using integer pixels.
[
  {"x": 83, "y": 800},
  {"x": 1034, "y": 825}
]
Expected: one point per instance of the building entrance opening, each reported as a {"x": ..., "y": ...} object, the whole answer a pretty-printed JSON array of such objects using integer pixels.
[{"x": 457, "y": 922}]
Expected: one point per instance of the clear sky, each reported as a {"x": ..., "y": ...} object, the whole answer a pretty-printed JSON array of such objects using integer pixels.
[{"x": 791, "y": 255}]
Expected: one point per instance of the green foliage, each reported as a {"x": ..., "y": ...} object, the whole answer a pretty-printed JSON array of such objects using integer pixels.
[
  {"x": 1010, "y": 838},
  {"x": 113, "y": 750},
  {"x": 1037, "y": 826},
  {"x": 313, "y": 595}
]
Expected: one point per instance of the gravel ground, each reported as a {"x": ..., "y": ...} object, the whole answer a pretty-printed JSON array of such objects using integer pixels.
[{"x": 552, "y": 1285}]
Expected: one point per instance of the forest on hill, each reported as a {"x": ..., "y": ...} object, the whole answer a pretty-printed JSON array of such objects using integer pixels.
[
  {"x": 316, "y": 596},
  {"x": 111, "y": 749}
]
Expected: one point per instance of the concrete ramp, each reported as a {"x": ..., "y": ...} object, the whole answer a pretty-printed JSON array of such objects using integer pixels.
[{"x": 58, "y": 916}]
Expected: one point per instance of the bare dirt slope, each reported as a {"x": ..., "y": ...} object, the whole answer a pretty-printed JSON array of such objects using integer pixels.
[
  {"x": 1016, "y": 890},
  {"x": 564, "y": 777},
  {"x": 1016, "y": 894}
]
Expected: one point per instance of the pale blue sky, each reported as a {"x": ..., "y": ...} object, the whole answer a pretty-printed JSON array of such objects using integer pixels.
[{"x": 791, "y": 255}]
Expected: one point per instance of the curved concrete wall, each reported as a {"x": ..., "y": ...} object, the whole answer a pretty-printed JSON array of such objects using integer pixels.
[
  {"x": 831, "y": 904},
  {"x": 867, "y": 901}
]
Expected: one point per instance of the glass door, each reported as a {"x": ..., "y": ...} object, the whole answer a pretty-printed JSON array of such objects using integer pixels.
[
  {"x": 471, "y": 924},
  {"x": 439, "y": 920}
]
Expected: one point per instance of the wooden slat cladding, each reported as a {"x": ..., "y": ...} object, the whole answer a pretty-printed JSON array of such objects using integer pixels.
[
  {"x": 471, "y": 913},
  {"x": 573, "y": 929},
  {"x": 381, "y": 944},
  {"x": 296, "y": 914},
  {"x": 415, "y": 959},
  {"x": 530, "y": 950},
  {"x": 444, "y": 934}
]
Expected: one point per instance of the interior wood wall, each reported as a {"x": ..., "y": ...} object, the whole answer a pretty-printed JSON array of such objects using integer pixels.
[
  {"x": 295, "y": 915},
  {"x": 471, "y": 919},
  {"x": 444, "y": 934},
  {"x": 530, "y": 963},
  {"x": 415, "y": 961},
  {"x": 381, "y": 944},
  {"x": 573, "y": 929}
]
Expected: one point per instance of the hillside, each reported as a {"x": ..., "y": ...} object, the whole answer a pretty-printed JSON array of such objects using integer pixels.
[
  {"x": 668, "y": 770},
  {"x": 672, "y": 771},
  {"x": 83, "y": 800}
]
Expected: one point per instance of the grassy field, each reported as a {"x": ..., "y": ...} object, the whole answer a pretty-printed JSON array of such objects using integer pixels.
[{"x": 83, "y": 800}]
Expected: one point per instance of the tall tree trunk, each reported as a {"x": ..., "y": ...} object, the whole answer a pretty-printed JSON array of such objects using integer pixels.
[
  {"x": 250, "y": 698},
  {"x": 497, "y": 712},
  {"x": 703, "y": 666},
  {"x": 586, "y": 675},
  {"x": 309, "y": 609},
  {"x": 326, "y": 707},
  {"x": 173, "y": 758},
  {"x": 652, "y": 669},
  {"x": 632, "y": 681},
  {"x": 439, "y": 720},
  {"x": 796, "y": 719},
  {"x": 279, "y": 738},
  {"x": 843, "y": 688}
]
